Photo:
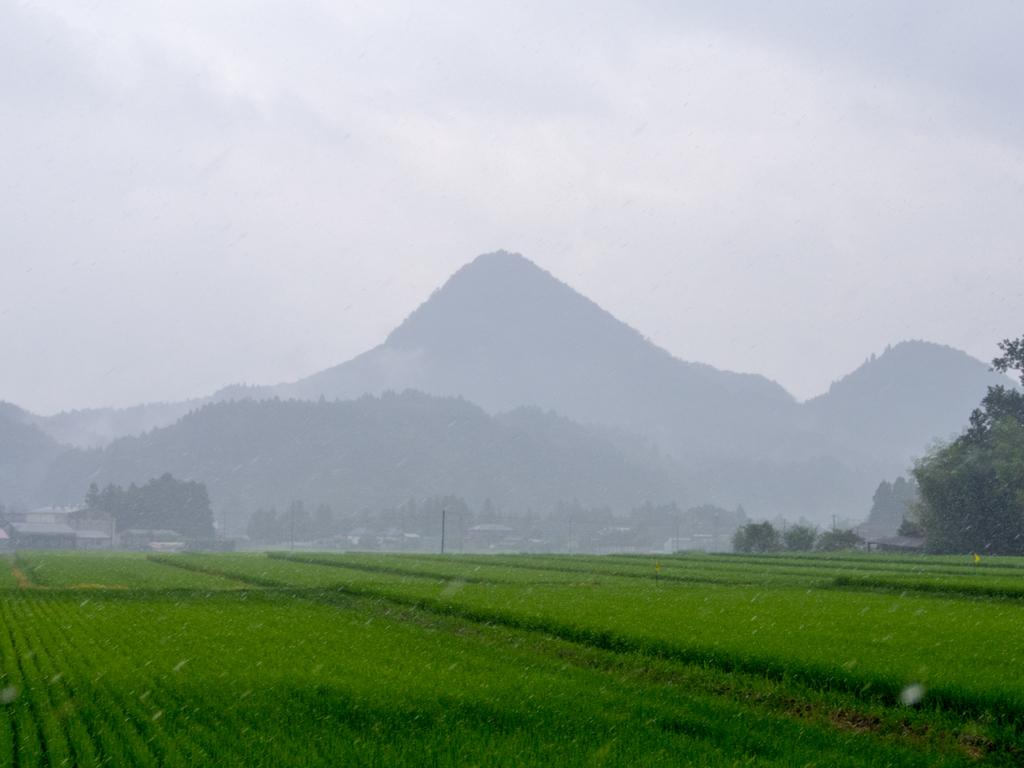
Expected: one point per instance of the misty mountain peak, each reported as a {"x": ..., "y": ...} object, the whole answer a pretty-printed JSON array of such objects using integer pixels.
[
  {"x": 502, "y": 301},
  {"x": 921, "y": 366}
]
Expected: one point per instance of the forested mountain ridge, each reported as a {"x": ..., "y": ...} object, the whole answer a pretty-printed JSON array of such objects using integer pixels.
[
  {"x": 373, "y": 452},
  {"x": 379, "y": 452}
]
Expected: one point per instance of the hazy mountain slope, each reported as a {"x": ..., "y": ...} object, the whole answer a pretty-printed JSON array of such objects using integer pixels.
[
  {"x": 25, "y": 454},
  {"x": 373, "y": 452},
  {"x": 378, "y": 452},
  {"x": 97, "y": 427},
  {"x": 894, "y": 405},
  {"x": 504, "y": 333}
]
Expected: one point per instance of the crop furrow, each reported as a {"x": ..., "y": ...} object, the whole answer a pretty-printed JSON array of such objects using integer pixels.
[
  {"x": 52, "y": 668},
  {"x": 30, "y": 747},
  {"x": 111, "y": 729},
  {"x": 919, "y": 585},
  {"x": 146, "y": 724},
  {"x": 470, "y": 580},
  {"x": 253, "y": 580}
]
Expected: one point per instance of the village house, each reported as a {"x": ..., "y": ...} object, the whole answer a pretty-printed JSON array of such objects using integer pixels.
[{"x": 56, "y": 528}]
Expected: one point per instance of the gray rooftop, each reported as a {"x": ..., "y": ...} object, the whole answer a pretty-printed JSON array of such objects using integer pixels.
[{"x": 54, "y": 529}]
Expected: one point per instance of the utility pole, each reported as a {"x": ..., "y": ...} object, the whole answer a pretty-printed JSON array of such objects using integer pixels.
[
  {"x": 833, "y": 523},
  {"x": 442, "y": 531},
  {"x": 675, "y": 547},
  {"x": 570, "y": 535}
]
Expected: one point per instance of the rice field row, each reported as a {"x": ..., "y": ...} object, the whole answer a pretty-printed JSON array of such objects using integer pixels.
[
  {"x": 967, "y": 653},
  {"x": 366, "y": 659},
  {"x": 729, "y": 570},
  {"x": 109, "y": 570}
]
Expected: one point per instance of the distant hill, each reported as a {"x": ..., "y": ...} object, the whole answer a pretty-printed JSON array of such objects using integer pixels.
[
  {"x": 373, "y": 452},
  {"x": 894, "y": 405},
  {"x": 25, "y": 454},
  {"x": 379, "y": 452}
]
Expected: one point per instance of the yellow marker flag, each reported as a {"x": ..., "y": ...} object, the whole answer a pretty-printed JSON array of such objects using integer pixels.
[
  {"x": 976, "y": 558},
  {"x": 656, "y": 566}
]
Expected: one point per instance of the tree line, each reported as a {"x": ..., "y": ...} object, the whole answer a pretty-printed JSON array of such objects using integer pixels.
[
  {"x": 765, "y": 537},
  {"x": 162, "y": 503}
]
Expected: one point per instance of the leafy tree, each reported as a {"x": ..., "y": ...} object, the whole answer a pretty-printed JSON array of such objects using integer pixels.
[
  {"x": 835, "y": 541},
  {"x": 162, "y": 503},
  {"x": 799, "y": 538},
  {"x": 756, "y": 537},
  {"x": 972, "y": 489},
  {"x": 911, "y": 527},
  {"x": 1001, "y": 403},
  {"x": 1013, "y": 357},
  {"x": 973, "y": 492}
]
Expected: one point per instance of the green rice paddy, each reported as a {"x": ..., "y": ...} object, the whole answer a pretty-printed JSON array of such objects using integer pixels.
[{"x": 367, "y": 659}]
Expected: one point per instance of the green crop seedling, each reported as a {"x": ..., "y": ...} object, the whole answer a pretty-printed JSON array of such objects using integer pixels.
[{"x": 368, "y": 659}]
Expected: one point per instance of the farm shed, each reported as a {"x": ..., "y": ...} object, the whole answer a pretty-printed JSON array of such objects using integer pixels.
[{"x": 41, "y": 535}]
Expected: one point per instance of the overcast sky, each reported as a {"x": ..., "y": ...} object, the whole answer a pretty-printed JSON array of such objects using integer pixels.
[{"x": 194, "y": 194}]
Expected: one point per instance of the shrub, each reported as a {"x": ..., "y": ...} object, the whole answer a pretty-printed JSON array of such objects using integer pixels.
[
  {"x": 756, "y": 537},
  {"x": 800, "y": 538},
  {"x": 834, "y": 541}
]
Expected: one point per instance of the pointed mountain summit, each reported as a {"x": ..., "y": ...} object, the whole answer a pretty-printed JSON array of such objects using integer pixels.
[{"x": 503, "y": 333}]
